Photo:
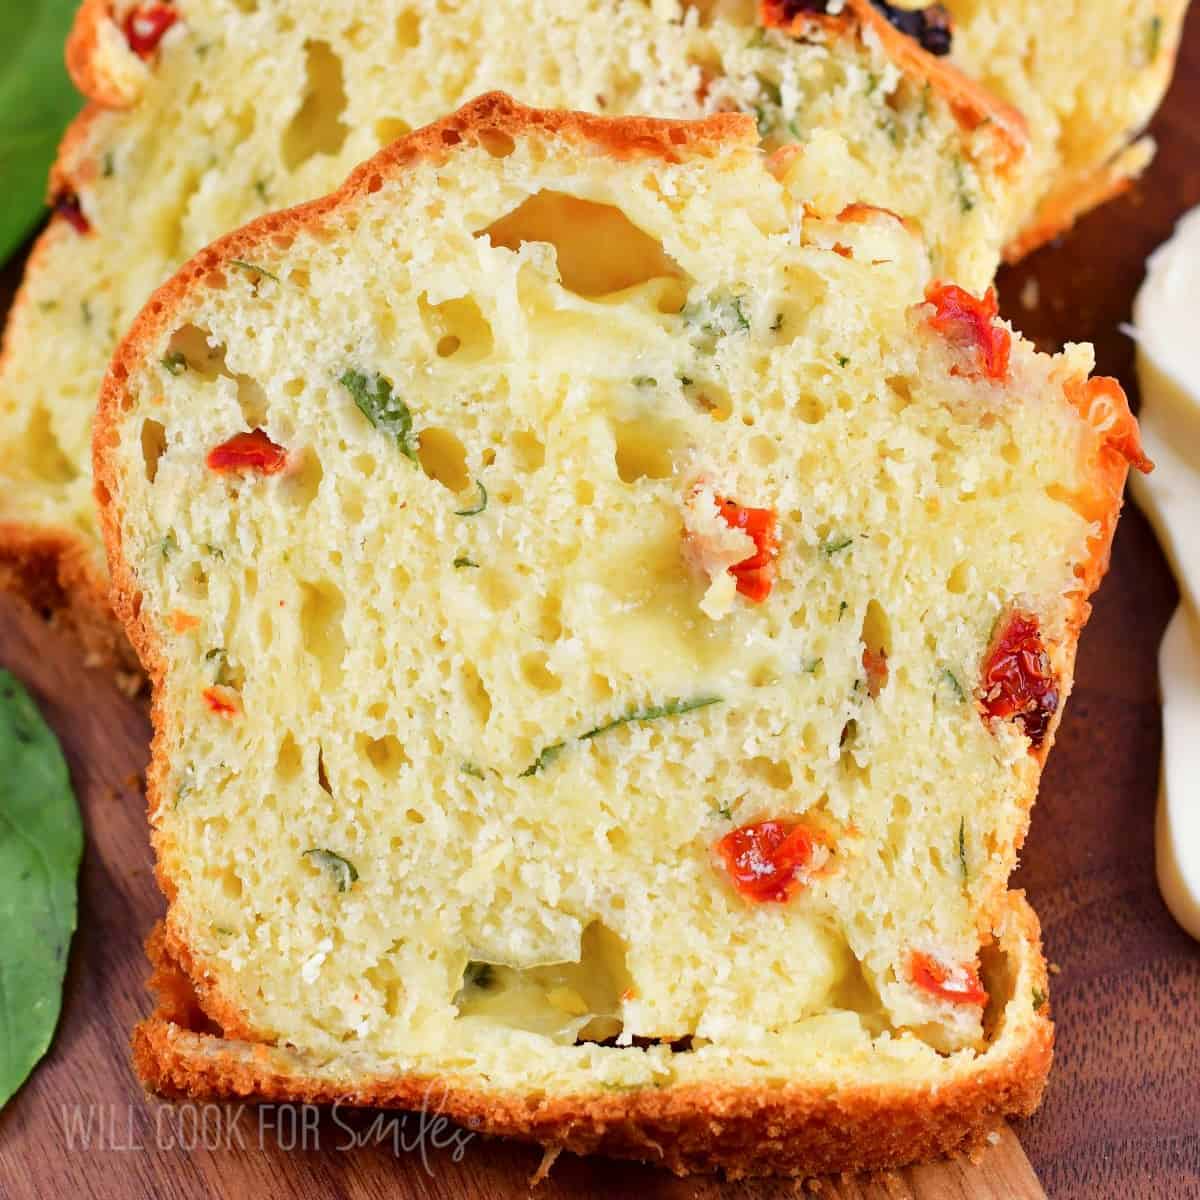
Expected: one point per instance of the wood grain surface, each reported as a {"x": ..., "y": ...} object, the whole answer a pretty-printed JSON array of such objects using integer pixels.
[{"x": 1121, "y": 1117}]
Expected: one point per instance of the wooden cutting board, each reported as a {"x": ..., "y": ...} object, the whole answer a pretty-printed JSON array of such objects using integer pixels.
[{"x": 1121, "y": 1119}]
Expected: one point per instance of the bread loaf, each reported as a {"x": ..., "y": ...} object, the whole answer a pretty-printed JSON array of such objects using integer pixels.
[{"x": 606, "y": 625}]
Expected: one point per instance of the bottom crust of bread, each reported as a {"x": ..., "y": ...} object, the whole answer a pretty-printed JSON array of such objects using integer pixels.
[
  {"x": 53, "y": 570},
  {"x": 1075, "y": 198},
  {"x": 802, "y": 1128}
]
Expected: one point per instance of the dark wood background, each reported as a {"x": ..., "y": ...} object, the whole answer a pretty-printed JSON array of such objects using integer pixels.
[{"x": 1121, "y": 1119}]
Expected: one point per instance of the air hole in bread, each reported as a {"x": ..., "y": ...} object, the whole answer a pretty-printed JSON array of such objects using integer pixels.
[
  {"x": 739, "y": 12},
  {"x": 198, "y": 350},
  {"x": 549, "y": 627},
  {"x": 763, "y": 451},
  {"x": 528, "y": 451},
  {"x": 671, "y": 294},
  {"x": 304, "y": 481},
  {"x": 457, "y": 328},
  {"x": 168, "y": 229},
  {"x": 322, "y": 774},
  {"x": 959, "y": 579},
  {"x": 476, "y": 695},
  {"x": 252, "y": 400},
  {"x": 154, "y": 446},
  {"x": 775, "y": 773},
  {"x": 385, "y": 754},
  {"x": 444, "y": 458},
  {"x": 848, "y": 760},
  {"x": 496, "y": 142},
  {"x": 289, "y": 760},
  {"x": 854, "y": 993},
  {"x": 408, "y": 29},
  {"x": 391, "y": 129},
  {"x": 43, "y": 452},
  {"x": 810, "y": 408},
  {"x": 317, "y": 127},
  {"x": 195, "y": 583},
  {"x": 711, "y": 399},
  {"x": 578, "y": 1001},
  {"x": 646, "y": 448},
  {"x": 321, "y": 607},
  {"x": 535, "y": 668},
  {"x": 899, "y": 393},
  {"x": 617, "y": 838},
  {"x": 495, "y": 589},
  {"x": 384, "y": 979},
  {"x": 599, "y": 249},
  {"x": 876, "y": 639}
]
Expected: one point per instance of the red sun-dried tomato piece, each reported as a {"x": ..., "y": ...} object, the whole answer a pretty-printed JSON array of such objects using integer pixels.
[
  {"x": 969, "y": 323},
  {"x": 755, "y": 575},
  {"x": 876, "y": 666},
  {"x": 959, "y": 983},
  {"x": 1018, "y": 683},
  {"x": 146, "y": 25},
  {"x": 67, "y": 206},
  {"x": 222, "y": 700},
  {"x": 764, "y": 859},
  {"x": 252, "y": 451}
]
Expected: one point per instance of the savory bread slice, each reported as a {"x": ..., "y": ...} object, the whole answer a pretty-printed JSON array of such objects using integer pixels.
[
  {"x": 606, "y": 625},
  {"x": 1088, "y": 77},
  {"x": 207, "y": 113}
]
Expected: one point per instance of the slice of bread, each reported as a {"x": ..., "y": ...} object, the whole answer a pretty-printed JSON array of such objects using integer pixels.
[
  {"x": 1088, "y": 77},
  {"x": 240, "y": 108},
  {"x": 606, "y": 626}
]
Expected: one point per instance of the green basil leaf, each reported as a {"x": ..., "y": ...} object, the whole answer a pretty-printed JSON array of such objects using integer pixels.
[
  {"x": 36, "y": 102},
  {"x": 672, "y": 708},
  {"x": 480, "y": 504},
  {"x": 383, "y": 408},
  {"x": 41, "y": 841},
  {"x": 344, "y": 872}
]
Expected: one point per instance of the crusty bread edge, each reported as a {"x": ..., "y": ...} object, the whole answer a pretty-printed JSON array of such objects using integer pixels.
[
  {"x": 742, "y": 1130},
  {"x": 83, "y": 58},
  {"x": 1073, "y": 199},
  {"x": 52, "y": 568}
]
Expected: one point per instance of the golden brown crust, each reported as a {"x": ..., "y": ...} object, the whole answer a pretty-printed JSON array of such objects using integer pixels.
[
  {"x": 54, "y": 572},
  {"x": 971, "y": 103},
  {"x": 1102, "y": 403},
  {"x": 71, "y": 169},
  {"x": 742, "y": 1130},
  {"x": 1058, "y": 211},
  {"x": 82, "y": 56},
  {"x": 792, "y": 1130}
]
